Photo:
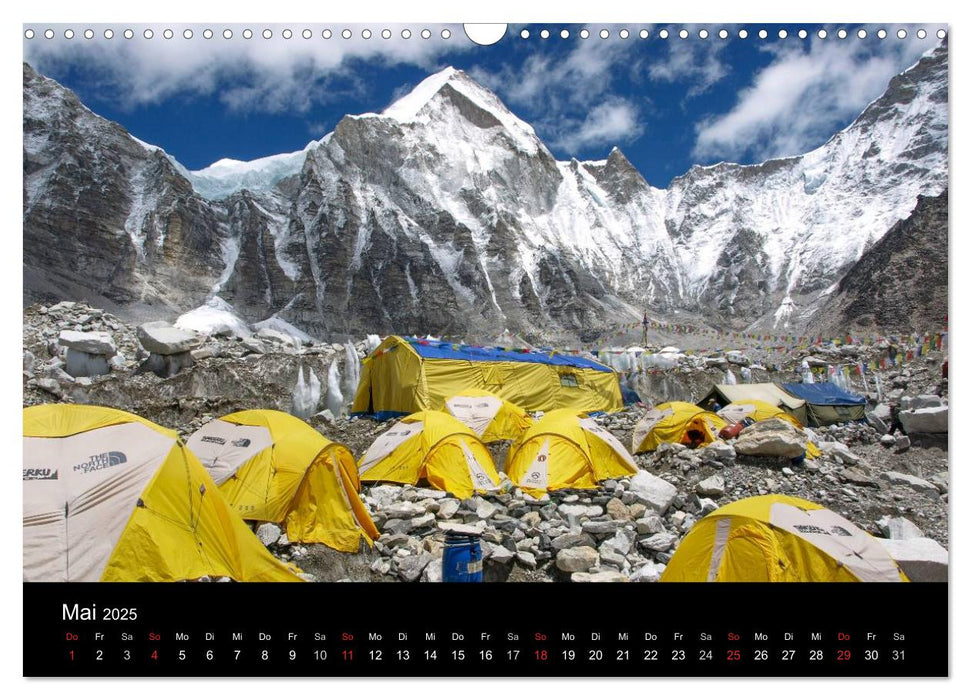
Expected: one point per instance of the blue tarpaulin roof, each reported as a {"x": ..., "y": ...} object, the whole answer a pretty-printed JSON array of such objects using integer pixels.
[
  {"x": 440, "y": 350},
  {"x": 824, "y": 394}
]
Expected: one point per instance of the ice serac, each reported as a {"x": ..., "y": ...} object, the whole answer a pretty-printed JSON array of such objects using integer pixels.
[{"x": 446, "y": 214}]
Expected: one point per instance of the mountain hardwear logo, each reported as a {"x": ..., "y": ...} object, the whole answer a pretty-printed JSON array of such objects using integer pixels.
[
  {"x": 101, "y": 461},
  {"x": 40, "y": 474}
]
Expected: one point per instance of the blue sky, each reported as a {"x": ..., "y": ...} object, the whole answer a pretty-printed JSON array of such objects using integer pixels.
[{"x": 666, "y": 103}]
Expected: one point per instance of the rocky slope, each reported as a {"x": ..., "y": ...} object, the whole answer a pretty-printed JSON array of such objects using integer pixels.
[
  {"x": 447, "y": 214},
  {"x": 901, "y": 282}
]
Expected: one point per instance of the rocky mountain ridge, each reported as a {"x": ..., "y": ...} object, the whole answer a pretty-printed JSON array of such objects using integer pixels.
[{"x": 447, "y": 214}]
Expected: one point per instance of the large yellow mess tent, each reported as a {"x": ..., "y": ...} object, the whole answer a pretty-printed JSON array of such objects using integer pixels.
[
  {"x": 565, "y": 450},
  {"x": 772, "y": 394},
  {"x": 274, "y": 467},
  {"x": 432, "y": 447},
  {"x": 675, "y": 421},
  {"x": 405, "y": 375},
  {"x": 779, "y": 538},
  {"x": 489, "y": 417},
  {"x": 109, "y": 496},
  {"x": 757, "y": 410}
]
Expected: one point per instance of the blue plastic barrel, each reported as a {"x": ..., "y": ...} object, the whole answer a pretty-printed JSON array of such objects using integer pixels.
[{"x": 462, "y": 559}]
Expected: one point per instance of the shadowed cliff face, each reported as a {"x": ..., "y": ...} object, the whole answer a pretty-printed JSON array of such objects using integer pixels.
[
  {"x": 901, "y": 284},
  {"x": 452, "y": 217}
]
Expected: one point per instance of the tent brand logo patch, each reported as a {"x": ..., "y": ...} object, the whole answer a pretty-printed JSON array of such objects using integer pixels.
[
  {"x": 816, "y": 530},
  {"x": 40, "y": 474},
  {"x": 101, "y": 461},
  {"x": 214, "y": 439},
  {"x": 242, "y": 442}
]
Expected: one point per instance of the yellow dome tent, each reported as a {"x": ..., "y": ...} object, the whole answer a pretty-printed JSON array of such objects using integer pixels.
[
  {"x": 109, "y": 496},
  {"x": 434, "y": 447},
  {"x": 761, "y": 410},
  {"x": 565, "y": 450},
  {"x": 274, "y": 467},
  {"x": 673, "y": 422},
  {"x": 779, "y": 538},
  {"x": 489, "y": 417}
]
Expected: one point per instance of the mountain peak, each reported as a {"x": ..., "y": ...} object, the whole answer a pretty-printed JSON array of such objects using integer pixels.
[
  {"x": 458, "y": 88},
  {"x": 406, "y": 108}
]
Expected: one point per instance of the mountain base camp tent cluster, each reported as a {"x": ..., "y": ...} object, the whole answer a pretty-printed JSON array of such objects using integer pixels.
[
  {"x": 406, "y": 375},
  {"x": 822, "y": 403},
  {"x": 109, "y": 496}
]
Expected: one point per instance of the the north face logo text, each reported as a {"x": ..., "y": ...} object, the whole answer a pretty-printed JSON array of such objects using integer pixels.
[
  {"x": 101, "y": 461},
  {"x": 213, "y": 438}
]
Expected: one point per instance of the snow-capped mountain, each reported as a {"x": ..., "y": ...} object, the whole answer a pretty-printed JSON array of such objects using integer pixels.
[{"x": 446, "y": 213}]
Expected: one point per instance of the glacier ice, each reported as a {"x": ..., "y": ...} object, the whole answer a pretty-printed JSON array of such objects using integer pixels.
[
  {"x": 335, "y": 399},
  {"x": 352, "y": 369},
  {"x": 372, "y": 342},
  {"x": 306, "y": 394}
]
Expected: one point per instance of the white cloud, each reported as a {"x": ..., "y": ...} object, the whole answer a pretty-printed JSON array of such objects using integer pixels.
[
  {"x": 572, "y": 98},
  {"x": 802, "y": 97},
  {"x": 611, "y": 122},
  {"x": 269, "y": 75},
  {"x": 698, "y": 64}
]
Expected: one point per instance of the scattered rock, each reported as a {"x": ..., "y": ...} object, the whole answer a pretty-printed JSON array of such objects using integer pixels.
[
  {"x": 577, "y": 559},
  {"x": 899, "y": 528},
  {"x": 713, "y": 486},
  {"x": 599, "y": 577},
  {"x": 268, "y": 533},
  {"x": 653, "y": 491},
  {"x": 661, "y": 542},
  {"x": 648, "y": 573},
  {"x": 914, "y": 482}
]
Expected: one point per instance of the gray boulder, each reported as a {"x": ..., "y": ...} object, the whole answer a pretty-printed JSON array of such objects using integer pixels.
[
  {"x": 925, "y": 420},
  {"x": 648, "y": 573},
  {"x": 837, "y": 449},
  {"x": 713, "y": 486},
  {"x": 771, "y": 438},
  {"x": 914, "y": 482},
  {"x": 411, "y": 566},
  {"x": 922, "y": 559},
  {"x": 661, "y": 542},
  {"x": 92, "y": 343},
  {"x": 163, "y": 338},
  {"x": 922, "y": 401},
  {"x": 653, "y": 491},
  {"x": 268, "y": 533},
  {"x": 501, "y": 555},
  {"x": 577, "y": 559},
  {"x": 899, "y": 528}
]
